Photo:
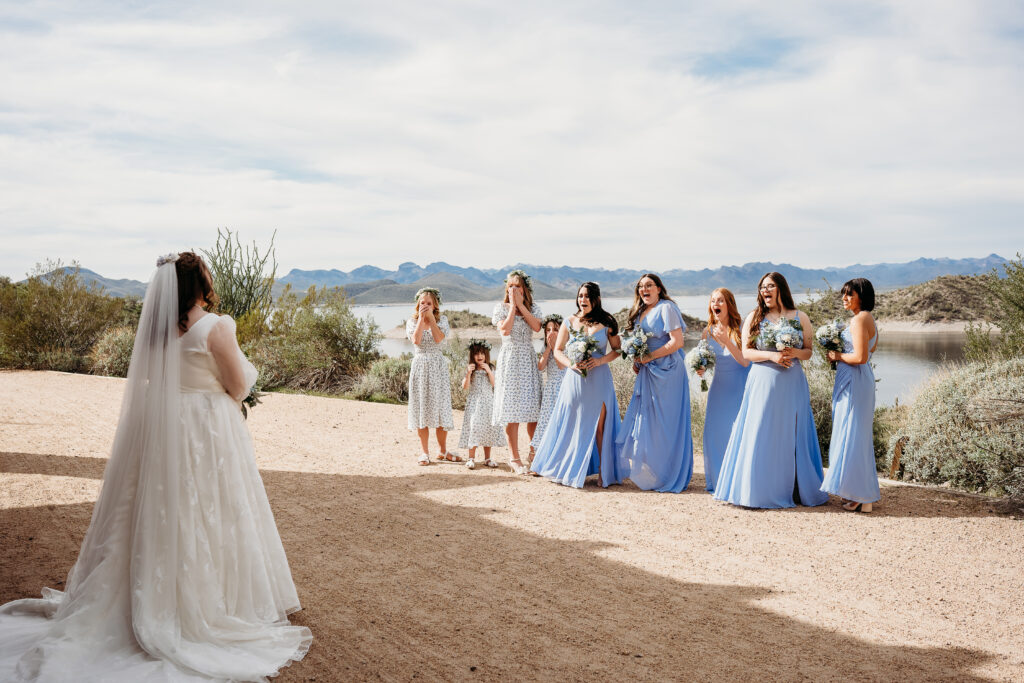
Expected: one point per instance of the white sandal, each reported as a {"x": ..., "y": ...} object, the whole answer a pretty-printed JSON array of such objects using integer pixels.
[
  {"x": 518, "y": 469},
  {"x": 424, "y": 459},
  {"x": 490, "y": 463},
  {"x": 471, "y": 464}
]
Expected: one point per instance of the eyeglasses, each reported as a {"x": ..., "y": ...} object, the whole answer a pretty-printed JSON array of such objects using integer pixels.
[{"x": 769, "y": 287}]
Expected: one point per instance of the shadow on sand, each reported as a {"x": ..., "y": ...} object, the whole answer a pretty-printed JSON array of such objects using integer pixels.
[{"x": 397, "y": 586}]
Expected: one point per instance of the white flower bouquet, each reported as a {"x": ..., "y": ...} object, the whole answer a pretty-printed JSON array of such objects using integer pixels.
[
  {"x": 579, "y": 348},
  {"x": 830, "y": 337},
  {"x": 634, "y": 346},
  {"x": 701, "y": 357}
]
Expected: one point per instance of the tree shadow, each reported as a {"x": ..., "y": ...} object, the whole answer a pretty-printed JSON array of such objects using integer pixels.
[{"x": 396, "y": 585}]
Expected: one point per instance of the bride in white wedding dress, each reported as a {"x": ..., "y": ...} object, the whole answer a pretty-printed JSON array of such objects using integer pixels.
[{"x": 181, "y": 575}]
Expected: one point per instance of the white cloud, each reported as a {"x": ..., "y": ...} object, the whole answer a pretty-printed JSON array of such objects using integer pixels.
[{"x": 612, "y": 134}]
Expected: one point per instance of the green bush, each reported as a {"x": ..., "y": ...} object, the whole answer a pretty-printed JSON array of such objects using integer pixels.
[
  {"x": 888, "y": 420},
  {"x": 51, "y": 320},
  {"x": 820, "y": 380},
  {"x": 466, "y": 318},
  {"x": 112, "y": 354},
  {"x": 243, "y": 280},
  {"x": 315, "y": 343},
  {"x": 1007, "y": 295},
  {"x": 698, "y": 410},
  {"x": 387, "y": 381},
  {"x": 966, "y": 429}
]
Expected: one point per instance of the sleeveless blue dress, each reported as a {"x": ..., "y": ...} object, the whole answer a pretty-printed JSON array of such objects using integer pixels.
[
  {"x": 655, "y": 446},
  {"x": 851, "y": 454},
  {"x": 773, "y": 459},
  {"x": 568, "y": 452},
  {"x": 724, "y": 399}
]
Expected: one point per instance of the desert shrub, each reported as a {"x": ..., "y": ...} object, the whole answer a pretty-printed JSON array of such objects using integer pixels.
[
  {"x": 1007, "y": 301},
  {"x": 465, "y": 318},
  {"x": 387, "y": 380},
  {"x": 457, "y": 353},
  {"x": 243, "y": 279},
  {"x": 698, "y": 410},
  {"x": 623, "y": 378},
  {"x": 824, "y": 305},
  {"x": 966, "y": 429},
  {"x": 820, "y": 380},
  {"x": 112, "y": 354},
  {"x": 52, "y": 319},
  {"x": 888, "y": 420},
  {"x": 315, "y": 343}
]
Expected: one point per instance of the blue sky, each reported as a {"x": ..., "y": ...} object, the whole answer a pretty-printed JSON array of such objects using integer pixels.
[{"x": 612, "y": 134}]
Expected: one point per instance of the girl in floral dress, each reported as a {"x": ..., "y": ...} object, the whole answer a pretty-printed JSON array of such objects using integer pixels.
[
  {"x": 477, "y": 430},
  {"x": 553, "y": 374},
  {"x": 430, "y": 393},
  {"x": 517, "y": 384}
]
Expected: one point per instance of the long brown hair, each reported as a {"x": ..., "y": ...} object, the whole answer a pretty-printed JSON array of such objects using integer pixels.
[
  {"x": 195, "y": 285},
  {"x": 785, "y": 299},
  {"x": 527, "y": 291},
  {"x": 732, "y": 321},
  {"x": 597, "y": 313},
  {"x": 477, "y": 348},
  {"x": 638, "y": 307}
]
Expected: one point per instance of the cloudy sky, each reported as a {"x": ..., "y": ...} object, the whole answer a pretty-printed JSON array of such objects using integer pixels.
[{"x": 629, "y": 133}]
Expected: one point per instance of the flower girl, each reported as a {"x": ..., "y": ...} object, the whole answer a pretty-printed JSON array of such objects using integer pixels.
[
  {"x": 553, "y": 374},
  {"x": 477, "y": 429}
]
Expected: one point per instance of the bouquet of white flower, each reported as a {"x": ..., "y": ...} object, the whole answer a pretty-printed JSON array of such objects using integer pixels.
[
  {"x": 830, "y": 337},
  {"x": 579, "y": 348},
  {"x": 701, "y": 357},
  {"x": 634, "y": 346},
  {"x": 780, "y": 335}
]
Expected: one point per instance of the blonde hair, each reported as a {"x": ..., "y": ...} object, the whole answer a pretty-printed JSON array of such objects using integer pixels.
[
  {"x": 437, "y": 307},
  {"x": 527, "y": 290},
  {"x": 733, "y": 320}
]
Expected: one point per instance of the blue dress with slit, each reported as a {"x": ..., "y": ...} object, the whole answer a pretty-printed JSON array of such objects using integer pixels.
[
  {"x": 655, "y": 444},
  {"x": 851, "y": 453},
  {"x": 773, "y": 459},
  {"x": 568, "y": 452}
]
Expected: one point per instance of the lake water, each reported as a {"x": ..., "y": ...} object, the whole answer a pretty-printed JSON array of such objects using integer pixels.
[{"x": 903, "y": 361}]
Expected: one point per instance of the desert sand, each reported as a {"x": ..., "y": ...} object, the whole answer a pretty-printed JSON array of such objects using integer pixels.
[{"x": 441, "y": 573}]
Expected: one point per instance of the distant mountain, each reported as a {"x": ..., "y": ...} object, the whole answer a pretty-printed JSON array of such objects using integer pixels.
[
  {"x": 453, "y": 286},
  {"x": 110, "y": 287},
  {"x": 555, "y": 281}
]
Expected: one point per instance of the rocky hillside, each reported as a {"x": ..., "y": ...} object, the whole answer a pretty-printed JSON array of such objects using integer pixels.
[{"x": 949, "y": 298}]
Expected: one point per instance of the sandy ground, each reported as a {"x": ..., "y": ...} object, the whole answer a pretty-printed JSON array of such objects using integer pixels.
[{"x": 441, "y": 573}]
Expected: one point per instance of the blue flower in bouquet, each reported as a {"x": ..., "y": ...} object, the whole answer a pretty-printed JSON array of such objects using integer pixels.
[
  {"x": 634, "y": 346},
  {"x": 783, "y": 334},
  {"x": 579, "y": 348},
  {"x": 701, "y": 357},
  {"x": 830, "y": 337}
]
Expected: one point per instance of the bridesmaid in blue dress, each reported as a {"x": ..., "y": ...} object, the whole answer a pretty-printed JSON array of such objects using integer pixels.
[
  {"x": 851, "y": 455},
  {"x": 773, "y": 459},
  {"x": 655, "y": 446},
  {"x": 725, "y": 337},
  {"x": 580, "y": 438}
]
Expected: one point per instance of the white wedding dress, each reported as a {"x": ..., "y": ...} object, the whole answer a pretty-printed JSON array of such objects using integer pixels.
[{"x": 181, "y": 575}]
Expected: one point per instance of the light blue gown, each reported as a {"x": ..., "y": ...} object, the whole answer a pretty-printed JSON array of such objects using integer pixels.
[
  {"x": 655, "y": 445},
  {"x": 724, "y": 399},
  {"x": 773, "y": 456},
  {"x": 851, "y": 454},
  {"x": 568, "y": 452}
]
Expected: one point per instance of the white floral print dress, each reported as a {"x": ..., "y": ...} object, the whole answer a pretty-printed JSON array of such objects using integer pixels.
[
  {"x": 477, "y": 429},
  {"x": 553, "y": 375},
  {"x": 517, "y": 383},
  {"x": 430, "y": 389}
]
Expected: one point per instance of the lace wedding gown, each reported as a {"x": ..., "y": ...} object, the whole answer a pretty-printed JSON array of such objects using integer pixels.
[{"x": 181, "y": 575}]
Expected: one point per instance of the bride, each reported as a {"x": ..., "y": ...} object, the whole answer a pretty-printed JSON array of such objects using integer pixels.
[{"x": 182, "y": 575}]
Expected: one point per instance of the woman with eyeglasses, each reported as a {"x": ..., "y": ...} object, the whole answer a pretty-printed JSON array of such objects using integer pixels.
[{"x": 773, "y": 459}]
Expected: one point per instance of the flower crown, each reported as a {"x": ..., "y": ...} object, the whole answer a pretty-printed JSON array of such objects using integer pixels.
[
  {"x": 481, "y": 343},
  {"x": 522, "y": 276},
  {"x": 432, "y": 290},
  {"x": 551, "y": 318},
  {"x": 169, "y": 258}
]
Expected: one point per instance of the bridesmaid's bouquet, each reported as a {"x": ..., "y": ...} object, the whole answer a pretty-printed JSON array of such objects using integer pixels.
[
  {"x": 580, "y": 347},
  {"x": 780, "y": 335},
  {"x": 251, "y": 401},
  {"x": 701, "y": 357},
  {"x": 829, "y": 337},
  {"x": 634, "y": 346}
]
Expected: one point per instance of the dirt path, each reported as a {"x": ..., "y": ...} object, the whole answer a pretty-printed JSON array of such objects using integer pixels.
[{"x": 443, "y": 573}]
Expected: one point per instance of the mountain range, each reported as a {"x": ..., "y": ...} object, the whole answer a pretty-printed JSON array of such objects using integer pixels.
[{"x": 373, "y": 285}]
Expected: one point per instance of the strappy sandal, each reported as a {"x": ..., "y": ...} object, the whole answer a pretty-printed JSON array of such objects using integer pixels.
[
  {"x": 424, "y": 459},
  {"x": 517, "y": 467},
  {"x": 857, "y": 507},
  {"x": 471, "y": 464},
  {"x": 490, "y": 463},
  {"x": 451, "y": 457}
]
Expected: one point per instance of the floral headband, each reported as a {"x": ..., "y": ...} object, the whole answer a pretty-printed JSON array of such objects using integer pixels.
[
  {"x": 169, "y": 258},
  {"x": 431, "y": 290},
  {"x": 522, "y": 276},
  {"x": 480, "y": 343},
  {"x": 552, "y": 318}
]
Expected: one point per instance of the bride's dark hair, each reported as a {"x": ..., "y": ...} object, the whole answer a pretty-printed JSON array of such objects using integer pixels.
[{"x": 195, "y": 285}]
